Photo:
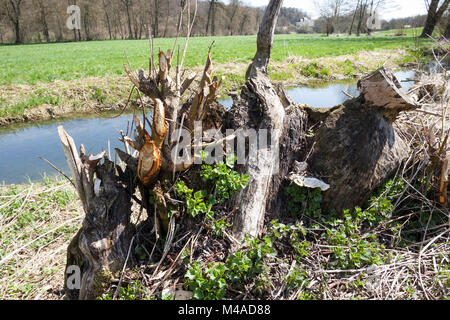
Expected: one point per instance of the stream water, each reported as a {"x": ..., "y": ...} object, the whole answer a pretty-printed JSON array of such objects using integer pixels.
[{"x": 21, "y": 145}]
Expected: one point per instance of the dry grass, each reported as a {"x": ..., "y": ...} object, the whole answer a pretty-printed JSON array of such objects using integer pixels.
[{"x": 36, "y": 223}]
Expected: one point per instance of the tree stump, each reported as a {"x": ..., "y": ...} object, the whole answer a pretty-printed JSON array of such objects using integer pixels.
[
  {"x": 356, "y": 147},
  {"x": 100, "y": 247}
]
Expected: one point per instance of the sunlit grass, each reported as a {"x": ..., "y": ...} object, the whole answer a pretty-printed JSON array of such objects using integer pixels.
[{"x": 30, "y": 64}]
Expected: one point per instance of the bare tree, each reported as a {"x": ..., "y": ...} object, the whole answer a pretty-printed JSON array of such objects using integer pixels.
[
  {"x": 244, "y": 21},
  {"x": 233, "y": 9},
  {"x": 156, "y": 6},
  {"x": 436, "y": 9},
  {"x": 108, "y": 23},
  {"x": 128, "y": 4},
  {"x": 362, "y": 14},
  {"x": 167, "y": 19},
  {"x": 86, "y": 18},
  {"x": 358, "y": 3},
  {"x": 13, "y": 12},
  {"x": 43, "y": 13},
  {"x": 211, "y": 21},
  {"x": 331, "y": 11}
]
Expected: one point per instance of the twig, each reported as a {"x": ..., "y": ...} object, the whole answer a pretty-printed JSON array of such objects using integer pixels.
[
  {"x": 123, "y": 269},
  {"x": 59, "y": 171}
]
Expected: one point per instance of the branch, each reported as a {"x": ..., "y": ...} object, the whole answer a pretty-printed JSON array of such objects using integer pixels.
[{"x": 265, "y": 38}]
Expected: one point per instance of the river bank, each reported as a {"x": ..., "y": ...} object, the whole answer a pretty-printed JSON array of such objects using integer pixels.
[{"x": 96, "y": 95}]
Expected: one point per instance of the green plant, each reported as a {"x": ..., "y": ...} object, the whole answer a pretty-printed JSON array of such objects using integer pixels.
[
  {"x": 241, "y": 267},
  {"x": 311, "y": 70},
  {"x": 195, "y": 202},
  {"x": 297, "y": 279},
  {"x": 246, "y": 264},
  {"x": 226, "y": 182},
  {"x": 133, "y": 291},
  {"x": 304, "y": 201},
  {"x": 206, "y": 285},
  {"x": 219, "y": 226},
  {"x": 350, "y": 249},
  {"x": 347, "y": 67},
  {"x": 98, "y": 95}
]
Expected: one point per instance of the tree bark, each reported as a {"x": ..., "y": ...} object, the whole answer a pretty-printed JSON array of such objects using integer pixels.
[
  {"x": 259, "y": 98},
  {"x": 156, "y": 17},
  {"x": 434, "y": 15},
  {"x": 167, "y": 19},
  {"x": 362, "y": 13},
  {"x": 234, "y": 7},
  {"x": 127, "y": 4},
  {"x": 356, "y": 147},
  {"x": 13, "y": 11},
  {"x": 108, "y": 24},
  {"x": 43, "y": 20},
  {"x": 208, "y": 21},
  {"x": 100, "y": 247},
  {"x": 354, "y": 17}
]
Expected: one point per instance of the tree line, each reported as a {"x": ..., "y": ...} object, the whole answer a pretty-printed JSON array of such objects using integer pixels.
[
  {"x": 352, "y": 16},
  {"x": 30, "y": 21}
]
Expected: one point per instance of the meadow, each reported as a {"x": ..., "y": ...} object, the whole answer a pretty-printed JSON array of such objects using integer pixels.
[{"x": 37, "y": 63}]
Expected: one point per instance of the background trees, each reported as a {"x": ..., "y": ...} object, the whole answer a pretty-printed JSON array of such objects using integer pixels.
[
  {"x": 436, "y": 9},
  {"x": 45, "y": 20}
]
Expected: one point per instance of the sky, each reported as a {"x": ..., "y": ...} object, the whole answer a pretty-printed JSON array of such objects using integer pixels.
[{"x": 398, "y": 8}]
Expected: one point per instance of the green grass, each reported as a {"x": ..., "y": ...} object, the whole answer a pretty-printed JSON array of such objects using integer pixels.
[
  {"x": 29, "y": 102},
  {"x": 30, "y": 64},
  {"x": 411, "y": 32}
]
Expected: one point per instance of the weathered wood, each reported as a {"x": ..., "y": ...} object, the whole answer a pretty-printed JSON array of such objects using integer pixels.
[
  {"x": 356, "y": 146},
  {"x": 259, "y": 108},
  {"x": 265, "y": 38},
  {"x": 100, "y": 247},
  {"x": 381, "y": 89}
]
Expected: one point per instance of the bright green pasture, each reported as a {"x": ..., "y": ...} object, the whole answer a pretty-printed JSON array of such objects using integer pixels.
[{"x": 29, "y": 64}]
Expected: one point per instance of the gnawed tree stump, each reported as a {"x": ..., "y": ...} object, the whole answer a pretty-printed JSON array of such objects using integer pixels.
[
  {"x": 381, "y": 90},
  {"x": 356, "y": 147},
  {"x": 100, "y": 247}
]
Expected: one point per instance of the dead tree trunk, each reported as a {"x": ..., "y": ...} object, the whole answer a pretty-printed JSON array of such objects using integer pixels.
[
  {"x": 356, "y": 147},
  {"x": 100, "y": 248},
  {"x": 259, "y": 98}
]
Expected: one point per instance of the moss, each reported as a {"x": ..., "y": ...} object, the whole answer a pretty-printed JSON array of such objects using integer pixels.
[{"x": 102, "y": 281}]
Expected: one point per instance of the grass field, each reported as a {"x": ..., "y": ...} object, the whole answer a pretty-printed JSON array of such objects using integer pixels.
[{"x": 30, "y": 64}]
